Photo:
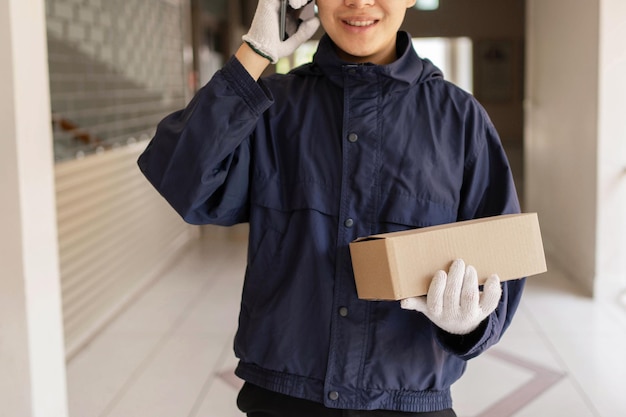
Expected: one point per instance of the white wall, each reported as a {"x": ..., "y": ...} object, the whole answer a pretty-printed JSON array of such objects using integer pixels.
[
  {"x": 32, "y": 380},
  {"x": 574, "y": 138},
  {"x": 561, "y": 130},
  {"x": 611, "y": 248}
]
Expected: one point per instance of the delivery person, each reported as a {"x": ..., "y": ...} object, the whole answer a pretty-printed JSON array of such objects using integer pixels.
[{"x": 368, "y": 138}]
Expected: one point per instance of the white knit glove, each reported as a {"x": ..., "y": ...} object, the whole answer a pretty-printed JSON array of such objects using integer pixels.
[
  {"x": 264, "y": 36},
  {"x": 454, "y": 302}
]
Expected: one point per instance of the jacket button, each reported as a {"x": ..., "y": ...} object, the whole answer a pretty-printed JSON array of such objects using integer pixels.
[
  {"x": 353, "y": 137},
  {"x": 333, "y": 395},
  {"x": 343, "y": 311},
  {"x": 349, "y": 223}
]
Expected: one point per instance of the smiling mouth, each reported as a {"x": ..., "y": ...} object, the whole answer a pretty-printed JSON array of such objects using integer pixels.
[{"x": 360, "y": 23}]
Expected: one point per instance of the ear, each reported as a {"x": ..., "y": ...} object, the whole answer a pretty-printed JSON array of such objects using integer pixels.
[{"x": 410, "y": 3}]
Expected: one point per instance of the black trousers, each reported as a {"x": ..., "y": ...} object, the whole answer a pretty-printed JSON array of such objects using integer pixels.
[{"x": 259, "y": 402}]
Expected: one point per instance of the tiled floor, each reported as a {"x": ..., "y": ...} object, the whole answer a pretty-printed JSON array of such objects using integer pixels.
[{"x": 170, "y": 354}]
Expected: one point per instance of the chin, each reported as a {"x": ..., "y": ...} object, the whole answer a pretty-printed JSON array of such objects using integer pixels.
[{"x": 359, "y": 54}]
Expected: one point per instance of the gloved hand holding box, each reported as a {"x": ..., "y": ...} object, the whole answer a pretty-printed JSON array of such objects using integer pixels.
[{"x": 399, "y": 265}]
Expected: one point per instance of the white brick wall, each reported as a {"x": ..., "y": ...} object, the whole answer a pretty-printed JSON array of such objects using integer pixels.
[{"x": 142, "y": 39}]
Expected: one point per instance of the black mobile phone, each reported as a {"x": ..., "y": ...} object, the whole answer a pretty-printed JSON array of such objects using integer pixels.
[{"x": 289, "y": 26}]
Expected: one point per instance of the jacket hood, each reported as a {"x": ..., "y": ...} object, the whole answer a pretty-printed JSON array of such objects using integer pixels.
[{"x": 409, "y": 69}]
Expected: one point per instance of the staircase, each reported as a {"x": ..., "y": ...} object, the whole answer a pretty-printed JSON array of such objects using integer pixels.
[{"x": 94, "y": 107}]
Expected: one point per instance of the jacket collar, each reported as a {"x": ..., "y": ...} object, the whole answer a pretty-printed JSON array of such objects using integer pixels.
[{"x": 408, "y": 70}]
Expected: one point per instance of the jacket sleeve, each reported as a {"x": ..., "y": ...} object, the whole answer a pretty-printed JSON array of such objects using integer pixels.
[
  {"x": 488, "y": 190},
  {"x": 199, "y": 158}
]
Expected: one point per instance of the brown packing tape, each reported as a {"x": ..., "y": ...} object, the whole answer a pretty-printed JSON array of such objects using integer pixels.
[{"x": 398, "y": 265}]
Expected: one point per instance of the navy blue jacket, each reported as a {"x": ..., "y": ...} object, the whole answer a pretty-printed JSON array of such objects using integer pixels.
[{"x": 313, "y": 160}]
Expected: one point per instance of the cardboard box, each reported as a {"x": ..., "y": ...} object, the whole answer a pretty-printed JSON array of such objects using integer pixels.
[{"x": 399, "y": 265}]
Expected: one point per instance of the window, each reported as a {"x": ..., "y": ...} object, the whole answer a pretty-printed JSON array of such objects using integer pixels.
[
  {"x": 302, "y": 55},
  {"x": 427, "y": 4},
  {"x": 453, "y": 56}
]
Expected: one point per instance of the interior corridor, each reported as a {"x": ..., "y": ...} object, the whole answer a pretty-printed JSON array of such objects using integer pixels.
[{"x": 170, "y": 353}]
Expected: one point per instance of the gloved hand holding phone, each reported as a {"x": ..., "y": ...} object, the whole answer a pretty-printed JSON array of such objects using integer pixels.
[
  {"x": 454, "y": 302},
  {"x": 265, "y": 36}
]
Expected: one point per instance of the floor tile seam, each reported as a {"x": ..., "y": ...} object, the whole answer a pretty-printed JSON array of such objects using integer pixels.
[
  {"x": 152, "y": 286},
  {"x": 617, "y": 310},
  {"x": 167, "y": 335},
  {"x": 206, "y": 387},
  {"x": 134, "y": 375},
  {"x": 208, "y": 288},
  {"x": 568, "y": 372},
  {"x": 227, "y": 348},
  {"x": 542, "y": 380},
  {"x": 156, "y": 346}
]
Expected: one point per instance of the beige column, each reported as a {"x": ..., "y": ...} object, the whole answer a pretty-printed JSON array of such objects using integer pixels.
[{"x": 32, "y": 376}]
